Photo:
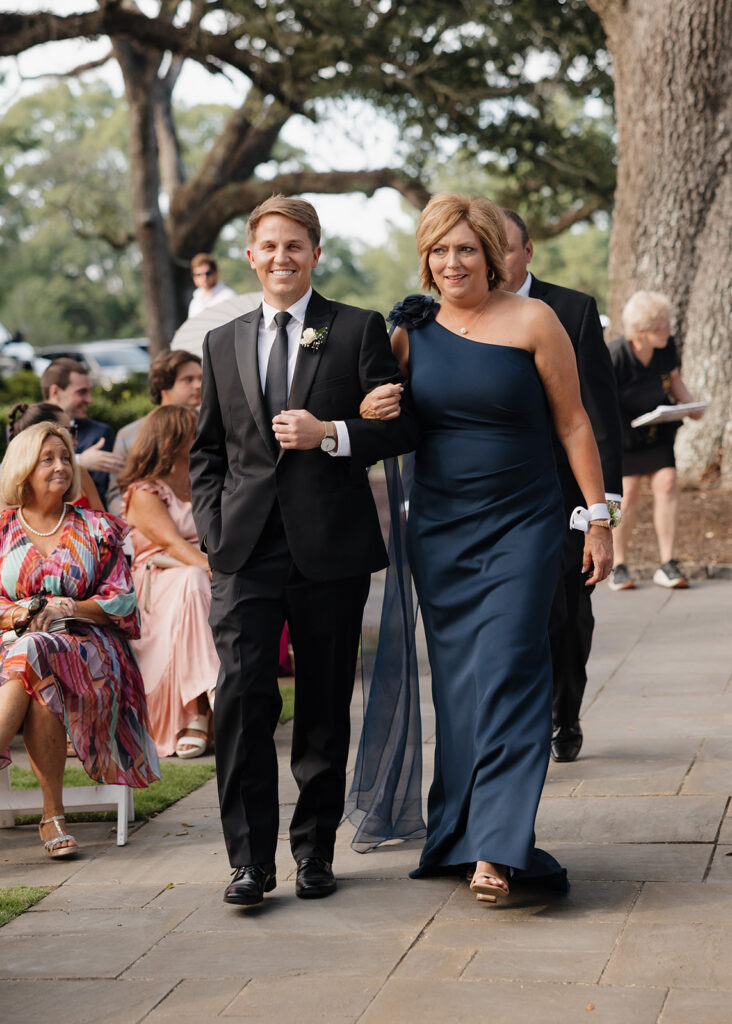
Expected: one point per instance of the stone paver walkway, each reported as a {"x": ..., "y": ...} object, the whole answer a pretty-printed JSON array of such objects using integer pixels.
[{"x": 641, "y": 820}]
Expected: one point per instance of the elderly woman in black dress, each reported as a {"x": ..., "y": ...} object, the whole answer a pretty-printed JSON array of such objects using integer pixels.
[{"x": 646, "y": 366}]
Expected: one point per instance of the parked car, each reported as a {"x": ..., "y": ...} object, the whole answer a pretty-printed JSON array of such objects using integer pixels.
[
  {"x": 107, "y": 362},
  {"x": 15, "y": 354}
]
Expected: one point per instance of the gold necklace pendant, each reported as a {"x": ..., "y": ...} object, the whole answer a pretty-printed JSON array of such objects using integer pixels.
[{"x": 476, "y": 320}]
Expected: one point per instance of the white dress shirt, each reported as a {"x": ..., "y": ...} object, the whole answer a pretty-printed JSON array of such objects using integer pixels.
[
  {"x": 295, "y": 326},
  {"x": 202, "y": 298},
  {"x": 526, "y": 286}
]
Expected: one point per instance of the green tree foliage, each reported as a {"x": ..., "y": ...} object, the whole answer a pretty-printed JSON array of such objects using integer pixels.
[
  {"x": 576, "y": 259},
  {"x": 69, "y": 273},
  {"x": 117, "y": 407},
  {"x": 371, "y": 276},
  {"x": 502, "y": 79}
]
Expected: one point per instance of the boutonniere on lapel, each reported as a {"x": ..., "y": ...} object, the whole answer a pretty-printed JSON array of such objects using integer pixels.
[{"x": 312, "y": 339}]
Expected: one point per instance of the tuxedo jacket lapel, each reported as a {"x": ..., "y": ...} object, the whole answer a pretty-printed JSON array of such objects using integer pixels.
[
  {"x": 537, "y": 289},
  {"x": 319, "y": 313},
  {"x": 246, "y": 334}
]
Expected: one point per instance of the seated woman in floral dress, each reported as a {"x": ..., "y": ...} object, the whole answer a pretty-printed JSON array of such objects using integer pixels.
[
  {"x": 23, "y": 415},
  {"x": 176, "y": 650},
  {"x": 58, "y": 560}
]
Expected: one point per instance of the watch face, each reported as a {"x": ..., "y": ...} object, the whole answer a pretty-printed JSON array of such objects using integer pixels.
[
  {"x": 328, "y": 444},
  {"x": 35, "y": 605}
]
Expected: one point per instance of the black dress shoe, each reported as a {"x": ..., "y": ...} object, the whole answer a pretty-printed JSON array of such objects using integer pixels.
[
  {"x": 566, "y": 742},
  {"x": 315, "y": 879},
  {"x": 250, "y": 883}
]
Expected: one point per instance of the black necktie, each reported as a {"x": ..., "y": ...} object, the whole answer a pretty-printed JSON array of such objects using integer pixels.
[{"x": 275, "y": 384}]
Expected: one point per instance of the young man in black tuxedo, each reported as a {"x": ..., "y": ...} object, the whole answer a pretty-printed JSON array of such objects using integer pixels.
[
  {"x": 285, "y": 513},
  {"x": 571, "y": 623}
]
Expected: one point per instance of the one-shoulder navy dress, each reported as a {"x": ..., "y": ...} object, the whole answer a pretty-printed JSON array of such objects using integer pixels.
[{"x": 484, "y": 535}]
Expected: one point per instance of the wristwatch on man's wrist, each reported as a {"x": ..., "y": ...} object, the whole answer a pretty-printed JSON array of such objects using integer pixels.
[
  {"x": 601, "y": 522},
  {"x": 330, "y": 438}
]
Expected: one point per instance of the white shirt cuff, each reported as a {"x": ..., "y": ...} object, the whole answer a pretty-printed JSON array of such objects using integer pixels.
[{"x": 344, "y": 441}]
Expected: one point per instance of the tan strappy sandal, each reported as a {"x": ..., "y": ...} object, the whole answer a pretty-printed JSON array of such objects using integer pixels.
[
  {"x": 52, "y": 845},
  {"x": 488, "y": 887}
]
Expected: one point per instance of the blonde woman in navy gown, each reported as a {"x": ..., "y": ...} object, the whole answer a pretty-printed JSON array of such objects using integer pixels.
[{"x": 489, "y": 373}]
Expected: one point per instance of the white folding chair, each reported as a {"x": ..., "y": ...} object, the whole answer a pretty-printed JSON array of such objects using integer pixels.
[{"x": 80, "y": 798}]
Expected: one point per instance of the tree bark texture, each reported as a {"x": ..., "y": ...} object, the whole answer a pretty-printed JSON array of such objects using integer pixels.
[
  {"x": 673, "y": 203},
  {"x": 139, "y": 69}
]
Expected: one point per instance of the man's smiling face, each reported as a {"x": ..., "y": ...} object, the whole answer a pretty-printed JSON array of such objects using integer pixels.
[{"x": 283, "y": 257}]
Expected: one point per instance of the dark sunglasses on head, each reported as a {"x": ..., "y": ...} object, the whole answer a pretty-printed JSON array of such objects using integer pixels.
[{"x": 204, "y": 273}]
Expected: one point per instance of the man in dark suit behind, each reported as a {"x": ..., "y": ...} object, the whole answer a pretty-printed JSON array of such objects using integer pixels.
[
  {"x": 571, "y": 623},
  {"x": 66, "y": 383},
  {"x": 284, "y": 510}
]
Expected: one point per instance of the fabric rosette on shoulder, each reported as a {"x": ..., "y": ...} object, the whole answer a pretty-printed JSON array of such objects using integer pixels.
[{"x": 413, "y": 311}]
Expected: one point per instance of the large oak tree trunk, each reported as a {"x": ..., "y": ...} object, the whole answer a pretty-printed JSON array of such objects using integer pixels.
[
  {"x": 139, "y": 69},
  {"x": 673, "y": 204}
]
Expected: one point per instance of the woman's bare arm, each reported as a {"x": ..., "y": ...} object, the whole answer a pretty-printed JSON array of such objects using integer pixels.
[
  {"x": 557, "y": 366},
  {"x": 149, "y": 514},
  {"x": 682, "y": 394}
]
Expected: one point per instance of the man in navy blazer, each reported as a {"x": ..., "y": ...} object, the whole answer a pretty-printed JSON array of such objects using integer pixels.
[
  {"x": 66, "y": 383},
  {"x": 284, "y": 510},
  {"x": 571, "y": 623}
]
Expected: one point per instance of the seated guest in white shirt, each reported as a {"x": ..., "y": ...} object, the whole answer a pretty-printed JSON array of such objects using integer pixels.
[{"x": 209, "y": 290}]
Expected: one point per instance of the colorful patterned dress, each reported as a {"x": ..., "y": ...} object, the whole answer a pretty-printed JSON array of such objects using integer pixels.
[{"x": 91, "y": 681}]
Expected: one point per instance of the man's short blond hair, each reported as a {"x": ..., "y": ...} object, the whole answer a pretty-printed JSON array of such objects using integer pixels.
[
  {"x": 643, "y": 311},
  {"x": 299, "y": 210},
  {"x": 442, "y": 213},
  {"x": 21, "y": 459}
]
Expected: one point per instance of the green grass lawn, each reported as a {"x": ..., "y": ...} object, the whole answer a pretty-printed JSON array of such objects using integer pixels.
[
  {"x": 15, "y": 901},
  {"x": 178, "y": 780},
  {"x": 287, "y": 692}
]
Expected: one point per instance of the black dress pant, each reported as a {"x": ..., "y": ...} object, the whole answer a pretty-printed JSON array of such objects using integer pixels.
[
  {"x": 571, "y": 624},
  {"x": 248, "y": 610}
]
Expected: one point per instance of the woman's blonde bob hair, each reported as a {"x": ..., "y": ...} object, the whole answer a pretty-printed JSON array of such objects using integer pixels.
[
  {"x": 643, "y": 311},
  {"x": 22, "y": 457},
  {"x": 442, "y": 213}
]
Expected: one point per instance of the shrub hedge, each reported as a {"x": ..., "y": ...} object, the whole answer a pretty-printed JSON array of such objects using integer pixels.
[{"x": 117, "y": 407}]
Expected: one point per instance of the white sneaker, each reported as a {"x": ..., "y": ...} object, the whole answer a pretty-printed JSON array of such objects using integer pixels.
[
  {"x": 669, "y": 575},
  {"x": 619, "y": 578}
]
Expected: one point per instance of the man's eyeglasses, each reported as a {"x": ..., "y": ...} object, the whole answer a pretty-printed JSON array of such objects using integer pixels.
[{"x": 204, "y": 273}]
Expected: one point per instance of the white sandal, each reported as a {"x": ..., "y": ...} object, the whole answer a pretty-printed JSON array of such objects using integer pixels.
[
  {"x": 193, "y": 746},
  {"x": 62, "y": 837}
]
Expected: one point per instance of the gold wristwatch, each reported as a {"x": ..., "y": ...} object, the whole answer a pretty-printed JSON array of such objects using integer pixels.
[{"x": 601, "y": 522}]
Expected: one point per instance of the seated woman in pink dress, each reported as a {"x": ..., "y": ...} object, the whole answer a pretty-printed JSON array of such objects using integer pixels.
[
  {"x": 176, "y": 650},
  {"x": 56, "y": 561}
]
